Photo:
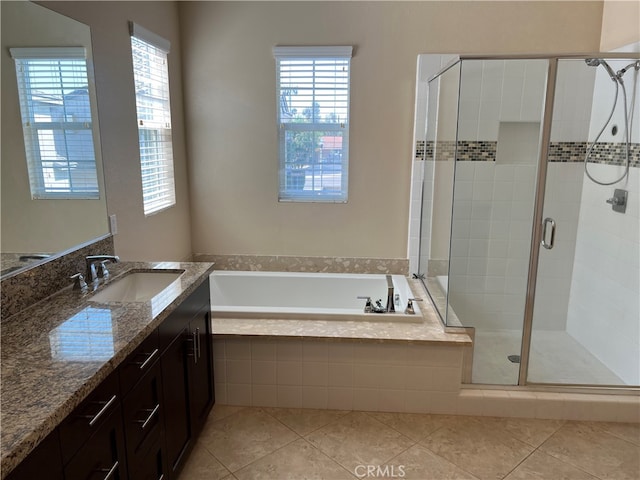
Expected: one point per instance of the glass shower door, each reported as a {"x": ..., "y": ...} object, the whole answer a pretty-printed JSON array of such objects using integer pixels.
[
  {"x": 586, "y": 317},
  {"x": 496, "y": 165}
]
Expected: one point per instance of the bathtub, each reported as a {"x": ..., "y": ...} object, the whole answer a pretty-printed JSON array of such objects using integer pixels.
[{"x": 312, "y": 296}]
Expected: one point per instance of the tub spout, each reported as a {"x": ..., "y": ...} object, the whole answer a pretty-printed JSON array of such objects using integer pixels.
[{"x": 390, "y": 297}]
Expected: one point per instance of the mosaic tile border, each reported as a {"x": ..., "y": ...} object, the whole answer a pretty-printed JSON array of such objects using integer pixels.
[
  {"x": 288, "y": 263},
  {"x": 562, "y": 152},
  {"x": 41, "y": 281}
]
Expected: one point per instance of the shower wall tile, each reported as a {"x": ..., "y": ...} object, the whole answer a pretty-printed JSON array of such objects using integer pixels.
[{"x": 604, "y": 300}]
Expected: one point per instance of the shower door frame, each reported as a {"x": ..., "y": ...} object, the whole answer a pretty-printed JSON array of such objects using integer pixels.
[{"x": 539, "y": 201}]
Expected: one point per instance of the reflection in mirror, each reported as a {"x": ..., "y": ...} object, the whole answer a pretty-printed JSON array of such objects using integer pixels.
[{"x": 52, "y": 198}]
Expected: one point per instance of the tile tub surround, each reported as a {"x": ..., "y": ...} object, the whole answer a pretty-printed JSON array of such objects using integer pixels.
[
  {"x": 290, "y": 263},
  {"x": 26, "y": 288},
  {"x": 39, "y": 386},
  {"x": 412, "y": 368}
]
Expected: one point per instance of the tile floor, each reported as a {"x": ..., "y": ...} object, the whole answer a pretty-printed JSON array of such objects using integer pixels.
[{"x": 274, "y": 443}]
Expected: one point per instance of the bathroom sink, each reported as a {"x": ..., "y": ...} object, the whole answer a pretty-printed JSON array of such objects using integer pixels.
[{"x": 136, "y": 287}]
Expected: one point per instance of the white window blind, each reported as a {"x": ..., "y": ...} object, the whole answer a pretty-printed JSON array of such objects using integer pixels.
[
  {"x": 55, "y": 106},
  {"x": 151, "y": 76},
  {"x": 313, "y": 119}
]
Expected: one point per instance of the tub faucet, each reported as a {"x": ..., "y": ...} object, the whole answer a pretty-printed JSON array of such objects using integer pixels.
[
  {"x": 390, "y": 297},
  {"x": 92, "y": 260}
]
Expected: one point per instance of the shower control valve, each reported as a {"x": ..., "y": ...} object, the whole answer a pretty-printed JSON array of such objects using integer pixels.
[{"x": 619, "y": 200}]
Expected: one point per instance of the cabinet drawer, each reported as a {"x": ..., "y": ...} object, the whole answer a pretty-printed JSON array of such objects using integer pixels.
[
  {"x": 87, "y": 418},
  {"x": 139, "y": 362},
  {"x": 143, "y": 416},
  {"x": 102, "y": 456},
  {"x": 150, "y": 464}
]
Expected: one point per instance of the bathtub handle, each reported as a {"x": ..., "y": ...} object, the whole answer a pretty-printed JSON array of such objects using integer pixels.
[
  {"x": 368, "y": 308},
  {"x": 410, "y": 310}
]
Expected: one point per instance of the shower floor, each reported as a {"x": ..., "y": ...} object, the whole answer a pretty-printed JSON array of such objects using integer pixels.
[{"x": 555, "y": 358}]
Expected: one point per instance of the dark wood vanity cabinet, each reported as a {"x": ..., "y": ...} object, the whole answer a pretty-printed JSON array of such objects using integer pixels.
[
  {"x": 187, "y": 373},
  {"x": 47, "y": 453},
  {"x": 141, "y": 422}
]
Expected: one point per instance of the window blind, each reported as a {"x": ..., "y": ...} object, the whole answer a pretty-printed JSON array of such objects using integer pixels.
[
  {"x": 56, "y": 119},
  {"x": 153, "y": 108},
  {"x": 313, "y": 119}
]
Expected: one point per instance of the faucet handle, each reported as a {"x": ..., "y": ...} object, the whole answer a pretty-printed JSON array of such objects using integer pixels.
[
  {"x": 410, "y": 310},
  {"x": 368, "y": 308},
  {"x": 102, "y": 269},
  {"x": 79, "y": 283}
]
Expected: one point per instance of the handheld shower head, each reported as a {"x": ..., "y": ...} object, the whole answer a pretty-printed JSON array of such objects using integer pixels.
[{"x": 594, "y": 62}]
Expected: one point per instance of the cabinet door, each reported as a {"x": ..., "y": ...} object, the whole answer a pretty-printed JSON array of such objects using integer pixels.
[
  {"x": 176, "y": 400},
  {"x": 103, "y": 455},
  {"x": 200, "y": 371}
]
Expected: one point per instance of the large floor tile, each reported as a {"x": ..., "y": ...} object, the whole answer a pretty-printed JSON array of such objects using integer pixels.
[
  {"x": 244, "y": 437},
  {"x": 420, "y": 463},
  {"x": 202, "y": 465},
  {"x": 587, "y": 446},
  {"x": 358, "y": 439},
  {"x": 626, "y": 431},
  {"x": 416, "y": 426},
  {"x": 475, "y": 446},
  {"x": 298, "y": 460},
  {"x": 533, "y": 431},
  {"x": 540, "y": 466},
  {"x": 304, "y": 420},
  {"x": 218, "y": 412}
]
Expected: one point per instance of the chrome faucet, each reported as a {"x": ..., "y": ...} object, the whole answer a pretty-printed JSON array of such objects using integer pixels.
[
  {"x": 101, "y": 260},
  {"x": 390, "y": 297}
]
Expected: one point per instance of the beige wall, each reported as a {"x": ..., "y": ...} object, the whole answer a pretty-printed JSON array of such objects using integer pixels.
[
  {"x": 166, "y": 235},
  {"x": 620, "y": 24},
  {"x": 229, "y": 80}
]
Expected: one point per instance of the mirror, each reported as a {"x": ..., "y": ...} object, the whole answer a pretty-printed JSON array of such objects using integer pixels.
[{"x": 33, "y": 229}]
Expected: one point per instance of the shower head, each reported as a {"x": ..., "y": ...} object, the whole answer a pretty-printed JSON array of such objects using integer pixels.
[{"x": 594, "y": 62}]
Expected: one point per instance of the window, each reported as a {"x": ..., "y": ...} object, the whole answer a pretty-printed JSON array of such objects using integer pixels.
[
  {"x": 55, "y": 106},
  {"x": 313, "y": 120},
  {"x": 151, "y": 76}
]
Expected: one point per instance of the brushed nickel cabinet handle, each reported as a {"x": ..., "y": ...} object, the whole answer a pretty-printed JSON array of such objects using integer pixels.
[
  {"x": 110, "y": 471},
  {"x": 146, "y": 362},
  {"x": 146, "y": 421},
  {"x": 102, "y": 411}
]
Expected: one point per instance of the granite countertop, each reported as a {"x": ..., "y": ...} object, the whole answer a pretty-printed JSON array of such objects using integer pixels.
[
  {"x": 57, "y": 351},
  {"x": 428, "y": 331}
]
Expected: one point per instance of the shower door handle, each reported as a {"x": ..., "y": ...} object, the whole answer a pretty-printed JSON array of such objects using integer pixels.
[{"x": 548, "y": 221}]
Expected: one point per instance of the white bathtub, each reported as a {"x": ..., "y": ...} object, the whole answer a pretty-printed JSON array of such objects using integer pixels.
[{"x": 313, "y": 296}]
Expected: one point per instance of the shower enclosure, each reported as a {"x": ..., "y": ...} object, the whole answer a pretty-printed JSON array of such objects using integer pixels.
[{"x": 517, "y": 244}]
